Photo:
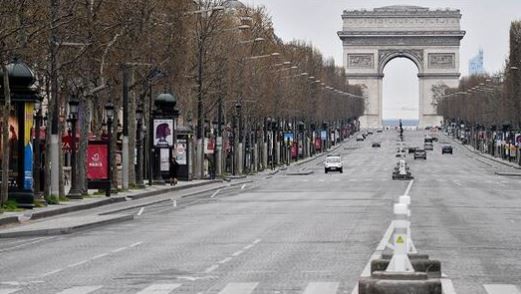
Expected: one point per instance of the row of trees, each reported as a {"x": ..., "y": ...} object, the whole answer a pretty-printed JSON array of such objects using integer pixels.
[
  {"x": 487, "y": 101},
  {"x": 208, "y": 52}
]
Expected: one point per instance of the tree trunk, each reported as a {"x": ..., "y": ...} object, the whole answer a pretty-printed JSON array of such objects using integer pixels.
[
  {"x": 5, "y": 137},
  {"x": 132, "y": 133},
  {"x": 84, "y": 141}
]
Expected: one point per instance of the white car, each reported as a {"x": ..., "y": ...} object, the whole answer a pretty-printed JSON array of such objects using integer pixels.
[{"x": 333, "y": 163}]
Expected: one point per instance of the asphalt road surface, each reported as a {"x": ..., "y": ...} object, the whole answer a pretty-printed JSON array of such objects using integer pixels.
[{"x": 288, "y": 234}]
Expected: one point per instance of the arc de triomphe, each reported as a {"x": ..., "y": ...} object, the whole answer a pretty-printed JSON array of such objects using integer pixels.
[{"x": 429, "y": 38}]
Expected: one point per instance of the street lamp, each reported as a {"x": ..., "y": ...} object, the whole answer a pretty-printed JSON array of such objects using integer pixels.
[
  {"x": 139, "y": 146},
  {"x": 74, "y": 192},
  {"x": 109, "y": 111}
]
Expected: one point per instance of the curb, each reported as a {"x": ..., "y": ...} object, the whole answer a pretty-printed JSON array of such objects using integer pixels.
[
  {"x": 303, "y": 173},
  {"x": 171, "y": 189},
  {"x": 507, "y": 174},
  {"x": 107, "y": 201},
  {"x": 66, "y": 230},
  {"x": 167, "y": 200}
]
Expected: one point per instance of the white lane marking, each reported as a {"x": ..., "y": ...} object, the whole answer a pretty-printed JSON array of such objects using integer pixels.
[
  {"x": 321, "y": 288},
  {"x": 27, "y": 244},
  {"x": 211, "y": 269},
  {"x": 257, "y": 241},
  {"x": 225, "y": 260},
  {"x": 238, "y": 253},
  {"x": 501, "y": 289},
  {"x": 248, "y": 246},
  {"x": 174, "y": 203},
  {"x": 8, "y": 291},
  {"x": 52, "y": 272},
  {"x": 140, "y": 212},
  {"x": 446, "y": 286},
  {"x": 215, "y": 193},
  {"x": 80, "y": 290},
  {"x": 409, "y": 187},
  {"x": 159, "y": 289},
  {"x": 119, "y": 249},
  {"x": 243, "y": 186},
  {"x": 239, "y": 288},
  {"x": 78, "y": 263},
  {"x": 135, "y": 244},
  {"x": 99, "y": 256}
]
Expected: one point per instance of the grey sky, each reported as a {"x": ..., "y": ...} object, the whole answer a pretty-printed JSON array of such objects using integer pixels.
[{"x": 487, "y": 23}]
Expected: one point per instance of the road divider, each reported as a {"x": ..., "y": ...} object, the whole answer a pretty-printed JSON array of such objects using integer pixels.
[{"x": 396, "y": 266}]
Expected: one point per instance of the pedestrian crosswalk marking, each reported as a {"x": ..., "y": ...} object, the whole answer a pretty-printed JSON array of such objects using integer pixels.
[
  {"x": 321, "y": 288},
  {"x": 8, "y": 291},
  {"x": 501, "y": 289},
  {"x": 239, "y": 288},
  {"x": 80, "y": 290},
  {"x": 159, "y": 289}
]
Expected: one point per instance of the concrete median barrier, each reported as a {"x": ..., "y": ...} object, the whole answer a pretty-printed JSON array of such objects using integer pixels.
[{"x": 399, "y": 283}]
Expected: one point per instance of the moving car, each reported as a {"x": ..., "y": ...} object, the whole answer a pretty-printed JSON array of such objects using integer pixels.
[
  {"x": 428, "y": 139},
  {"x": 412, "y": 149},
  {"x": 360, "y": 138},
  {"x": 379, "y": 130},
  {"x": 402, "y": 172},
  {"x": 376, "y": 145},
  {"x": 446, "y": 149},
  {"x": 428, "y": 146},
  {"x": 333, "y": 163},
  {"x": 420, "y": 153}
]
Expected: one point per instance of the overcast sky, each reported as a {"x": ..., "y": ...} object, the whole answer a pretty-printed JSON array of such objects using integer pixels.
[{"x": 487, "y": 23}]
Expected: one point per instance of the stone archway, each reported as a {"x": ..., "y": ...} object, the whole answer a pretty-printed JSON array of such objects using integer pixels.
[{"x": 429, "y": 38}]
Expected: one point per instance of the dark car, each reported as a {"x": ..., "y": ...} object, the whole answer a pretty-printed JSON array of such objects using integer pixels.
[
  {"x": 376, "y": 145},
  {"x": 420, "y": 153},
  {"x": 412, "y": 149},
  {"x": 428, "y": 139},
  {"x": 428, "y": 146},
  {"x": 446, "y": 149},
  {"x": 360, "y": 138}
]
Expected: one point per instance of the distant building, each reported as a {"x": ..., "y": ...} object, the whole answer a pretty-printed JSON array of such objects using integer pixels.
[{"x": 476, "y": 64}]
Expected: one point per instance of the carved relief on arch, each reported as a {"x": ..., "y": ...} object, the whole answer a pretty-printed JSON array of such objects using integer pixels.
[{"x": 386, "y": 55}]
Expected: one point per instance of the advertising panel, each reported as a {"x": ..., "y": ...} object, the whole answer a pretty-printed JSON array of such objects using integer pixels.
[
  {"x": 97, "y": 161},
  {"x": 163, "y": 132},
  {"x": 28, "y": 147},
  {"x": 180, "y": 152}
]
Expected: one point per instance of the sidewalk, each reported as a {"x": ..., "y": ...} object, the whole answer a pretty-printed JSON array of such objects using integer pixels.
[
  {"x": 92, "y": 201},
  {"x": 487, "y": 156}
]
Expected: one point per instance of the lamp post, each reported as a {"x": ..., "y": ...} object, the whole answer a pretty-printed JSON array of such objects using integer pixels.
[
  {"x": 74, "y": 192},
  {"x": 37, "y": 152},
  {"x": 237, "y": 137},
  {"x": 139, "y": 147},
  {"x": 109, "y": 111}
]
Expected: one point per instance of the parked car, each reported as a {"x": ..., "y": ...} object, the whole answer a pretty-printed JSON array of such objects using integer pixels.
[
  {"x": 369, "y": 132},
  {"x": 446, "y": 149},
  {"x": 333, "y": 163},
  {"x": 360, "y": 138},
  {"x": 428, "y": 146},
  {"x": 420, "y": 153},
  {"x": 376, "y": 145}
]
